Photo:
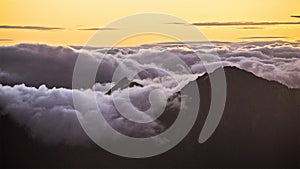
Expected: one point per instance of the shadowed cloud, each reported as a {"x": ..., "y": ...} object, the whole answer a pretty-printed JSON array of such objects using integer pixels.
[
  {"x": 4, "y": 40},
  {"x": 29, "y": 27},
  {"x": 37, "y": 64},
  {"x": 295, "y": 16}
]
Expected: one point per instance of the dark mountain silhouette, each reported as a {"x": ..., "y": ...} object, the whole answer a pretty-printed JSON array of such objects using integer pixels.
[
  {"x": 122, "y": 84},
  {"x": 259, "y": 128}
]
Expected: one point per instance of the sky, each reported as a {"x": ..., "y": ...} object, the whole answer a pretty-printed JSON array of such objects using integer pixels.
[
  {"x": 39, "y": 78},
  {"x": 73, "y": 22}
]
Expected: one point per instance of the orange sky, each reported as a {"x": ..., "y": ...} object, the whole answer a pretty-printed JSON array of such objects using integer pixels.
[{"x": 72, "y": 15}]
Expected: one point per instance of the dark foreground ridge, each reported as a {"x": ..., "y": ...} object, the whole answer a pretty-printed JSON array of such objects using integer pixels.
[{"x": 259, "y": 128}]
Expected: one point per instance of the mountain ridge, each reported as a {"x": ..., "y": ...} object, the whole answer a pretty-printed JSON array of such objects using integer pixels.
[{"x": 259, "y": 128}]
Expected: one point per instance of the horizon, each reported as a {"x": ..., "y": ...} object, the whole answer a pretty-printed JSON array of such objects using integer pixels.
[{"x": 75, "y": 22}]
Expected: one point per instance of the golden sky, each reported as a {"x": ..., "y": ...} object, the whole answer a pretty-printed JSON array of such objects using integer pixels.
[{"x": 17, "y": 16}]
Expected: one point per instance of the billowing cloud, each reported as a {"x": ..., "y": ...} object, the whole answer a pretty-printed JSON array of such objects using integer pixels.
[
  {"x": 41, "y": 28},
  {"x": 36, "y": 64},
  {"x": 50, "y": 116},
  {"x": 49, "y": 113},
  {"x": 278, "y": 61}
]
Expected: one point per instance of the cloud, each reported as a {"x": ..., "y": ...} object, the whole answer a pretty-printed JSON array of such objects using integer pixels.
[
  {"x": 50, "y": 116},
  {"x": 264, "y": 37},
  {"x": 46, "y": 113},
  {"x": 175, "y": 23},
  {"x": 3, "y": 40},
  {"x": 97, "y": 29},
  {"x": 278, "y": 61},
  {"x": 295, "y": 16},
  {"x": 250, "y": 27},
  {"x": 41, "y": 28},
  {"x": 243, "y": 23},
  {"x": 272, "y": 60},
  {"x": 38, "y": 64}
]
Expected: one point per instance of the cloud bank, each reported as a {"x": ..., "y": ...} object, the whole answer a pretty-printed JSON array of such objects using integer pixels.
[
  {"x": 38, "y": 64},
  {"x": 36, "y": 81},
  {"x": 50, "y": 116}
]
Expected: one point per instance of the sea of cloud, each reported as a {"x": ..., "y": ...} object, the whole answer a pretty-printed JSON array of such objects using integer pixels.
[
  {"x": 36, "y": 80},
  {"x": 38, "y": 64}
]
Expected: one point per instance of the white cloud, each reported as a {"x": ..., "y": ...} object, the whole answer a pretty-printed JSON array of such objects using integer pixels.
[
  {"x": 35, "y": 64},
  {"x": 50, "y": 115}
]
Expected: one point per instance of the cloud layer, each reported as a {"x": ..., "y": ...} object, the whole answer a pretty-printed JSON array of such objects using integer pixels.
[
  {"x": 50, "y": 116},
  {"x": 38, "y": 64},
  {"x": 49, "y": 113}
]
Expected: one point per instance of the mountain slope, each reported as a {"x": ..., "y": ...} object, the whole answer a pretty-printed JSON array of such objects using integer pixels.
[{"x": 259, "y": 128}]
